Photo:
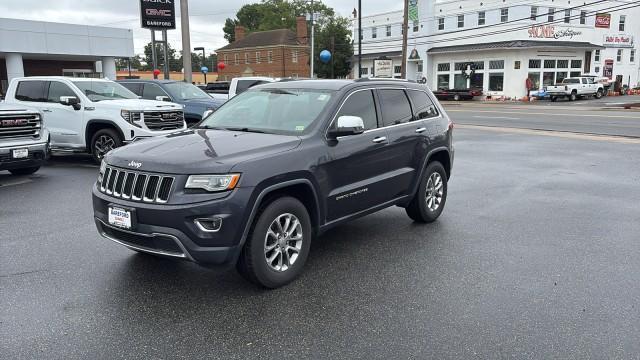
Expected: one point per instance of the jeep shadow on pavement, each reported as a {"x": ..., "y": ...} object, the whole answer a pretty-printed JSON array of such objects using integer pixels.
[{"x": 274, "y": 167}]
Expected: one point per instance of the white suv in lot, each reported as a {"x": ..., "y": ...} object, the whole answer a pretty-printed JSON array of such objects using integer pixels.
[{"x": 94, "y": 115}]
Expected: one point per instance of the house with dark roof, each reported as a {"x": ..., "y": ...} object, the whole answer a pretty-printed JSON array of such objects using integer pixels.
[{"x": 274, "y": 53}]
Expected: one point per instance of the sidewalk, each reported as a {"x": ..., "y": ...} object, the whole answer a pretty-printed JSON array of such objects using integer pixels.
[{"x": 629, "y": 102}]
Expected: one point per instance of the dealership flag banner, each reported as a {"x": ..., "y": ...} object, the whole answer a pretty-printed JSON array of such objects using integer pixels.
[{"x": 413, "y": 10}]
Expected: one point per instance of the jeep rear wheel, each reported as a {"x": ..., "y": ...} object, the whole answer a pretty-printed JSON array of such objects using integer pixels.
[
  {"x": 277, "y": 245},
  {"x": 429, "y": 200},
  {"x": 102, "y": 142}
]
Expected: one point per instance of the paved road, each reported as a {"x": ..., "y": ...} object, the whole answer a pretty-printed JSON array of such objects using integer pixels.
[
  {"x": 536, "y": 256},
  {"x": 590, "y": 121},
  {"x": 607, "y": 101}
]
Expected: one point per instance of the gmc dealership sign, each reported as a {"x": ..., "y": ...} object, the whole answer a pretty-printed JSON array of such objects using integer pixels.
[{"x": 158, "y": 14}]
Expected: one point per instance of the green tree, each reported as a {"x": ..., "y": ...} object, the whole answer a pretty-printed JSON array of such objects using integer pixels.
[
  {"x": 123, "y": 63},
  {"x": 175, "y": 64},
  {"x": 333, "y": 34}
]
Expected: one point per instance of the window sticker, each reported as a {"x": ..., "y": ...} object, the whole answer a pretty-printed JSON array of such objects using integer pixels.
[{"x": 299, "y": 128}]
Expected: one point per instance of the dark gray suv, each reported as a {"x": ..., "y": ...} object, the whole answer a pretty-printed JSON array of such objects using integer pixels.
[{"x": 275, "y": 167}]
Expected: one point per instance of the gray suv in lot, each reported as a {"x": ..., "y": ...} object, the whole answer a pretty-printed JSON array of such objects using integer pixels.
[{"x": 273, "y": 168}]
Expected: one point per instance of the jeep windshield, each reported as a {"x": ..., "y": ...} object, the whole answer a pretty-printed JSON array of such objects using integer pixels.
[
  {"x": 104, "y": 90},
  {"x": 183, "y": 91},
  {"x": 275, "y": 111}
]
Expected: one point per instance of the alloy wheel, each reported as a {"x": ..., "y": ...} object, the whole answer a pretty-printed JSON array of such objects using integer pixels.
[
  {"x": 435, "y": 191},
  {"x": 283, "y": 242},
  {"x": 103, "y": 145}
]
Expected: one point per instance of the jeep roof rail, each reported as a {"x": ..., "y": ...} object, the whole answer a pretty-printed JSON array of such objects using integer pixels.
[{"x": 382, "y": 79}]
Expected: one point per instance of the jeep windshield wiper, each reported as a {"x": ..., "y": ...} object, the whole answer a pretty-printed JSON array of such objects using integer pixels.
[
  {"x": 245, "y": 129},
  {"x": 207, "y": 127}
]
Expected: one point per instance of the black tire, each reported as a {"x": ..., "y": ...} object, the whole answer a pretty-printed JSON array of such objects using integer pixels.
[
  {"x": 104, "y": 141},
  {"x": 456, "y": 97},
  {"x": 24, "y": 171},
  {"x": 599, "y": 94},
  {"x": 553, "y": 99},
  {"x": 419, "y": 209},
  {"x": 573, "y": 96},
  {"x": 253, "y": 264}
]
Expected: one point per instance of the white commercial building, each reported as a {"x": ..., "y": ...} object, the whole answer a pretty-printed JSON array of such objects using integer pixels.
[
  {"x": 35, "y": 48},
  {"x": 497, "y": 45}
]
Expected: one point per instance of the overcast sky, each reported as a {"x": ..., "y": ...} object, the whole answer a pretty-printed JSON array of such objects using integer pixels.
[{"x": 206, "y": 16}]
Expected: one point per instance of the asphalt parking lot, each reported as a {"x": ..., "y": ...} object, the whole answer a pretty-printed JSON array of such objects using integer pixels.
[{"x": 535, "y": 256}]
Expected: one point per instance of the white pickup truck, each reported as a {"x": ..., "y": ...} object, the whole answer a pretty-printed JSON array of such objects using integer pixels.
[
  {"x": 575, "y": 87},
  {"x": 236, "y": 86},
  {"x": 93, "y": 115}
]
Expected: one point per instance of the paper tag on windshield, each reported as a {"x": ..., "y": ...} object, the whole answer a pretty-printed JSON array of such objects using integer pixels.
[
  {"x": 322, "y": 97},
  {"x": 299, "y": 128}
]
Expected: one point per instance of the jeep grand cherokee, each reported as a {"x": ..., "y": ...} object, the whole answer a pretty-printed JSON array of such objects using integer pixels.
[{"x": 273, "y": 168}]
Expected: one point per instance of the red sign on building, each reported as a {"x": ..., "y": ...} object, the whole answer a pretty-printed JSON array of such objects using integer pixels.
[
  {"x": 607, "y": 70},
  {"x": 603, "y": 20}
]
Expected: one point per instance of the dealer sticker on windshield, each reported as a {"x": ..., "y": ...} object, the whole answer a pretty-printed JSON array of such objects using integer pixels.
[{"x": 299, "y": 128}]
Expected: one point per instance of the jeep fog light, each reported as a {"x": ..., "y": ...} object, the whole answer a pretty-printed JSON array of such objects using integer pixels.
[{"x": 209, "y": 224}]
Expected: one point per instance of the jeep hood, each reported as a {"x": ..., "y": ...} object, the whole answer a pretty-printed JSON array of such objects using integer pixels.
[{"x": 199, "y": 151}]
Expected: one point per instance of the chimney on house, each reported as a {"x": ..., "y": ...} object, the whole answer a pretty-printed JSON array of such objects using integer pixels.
[
  {"x": 239, "y": 32},
  {"x": 301, "y": 29}
]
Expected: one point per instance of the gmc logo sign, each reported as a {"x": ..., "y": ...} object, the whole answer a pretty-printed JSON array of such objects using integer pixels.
[
  {"x": 14, "y": 122},
  {"x": 157, "y": 12}
]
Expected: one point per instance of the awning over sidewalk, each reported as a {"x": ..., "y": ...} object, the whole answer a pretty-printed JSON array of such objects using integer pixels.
[{"x": 515, "y": 44}]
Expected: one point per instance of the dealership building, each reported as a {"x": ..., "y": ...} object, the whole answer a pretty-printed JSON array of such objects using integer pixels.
[
  {"x": 36, "y": 48},
  {"x": 497, "y": 46}
]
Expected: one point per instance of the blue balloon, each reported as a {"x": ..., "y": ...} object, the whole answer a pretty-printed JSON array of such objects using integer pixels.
[
  {"x": 204, "y": 69},
  {"x": 325, "y": 56}
]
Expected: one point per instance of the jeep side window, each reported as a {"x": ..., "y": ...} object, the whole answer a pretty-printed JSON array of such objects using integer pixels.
[
  {"x": 58, "y": 89},
  {"x": 361, "y": 104},
  {"x": 423, "y": 107},
  {"x": 151, "y": 91},
  {"x": 31, "y": 91},
  {"x": 395, "y": 107}
]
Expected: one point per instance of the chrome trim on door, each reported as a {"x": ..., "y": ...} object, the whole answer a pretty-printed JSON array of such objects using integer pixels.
[{"x": 380, "y": 139}]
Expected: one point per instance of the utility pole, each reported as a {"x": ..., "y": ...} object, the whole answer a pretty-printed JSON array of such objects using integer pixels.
[
  {"x": 333, "y": 52},
  {"x": 359, "y": 38},
  {"x": 405, "y": 35},
  {"x": 165, "y": 45},
  {"x": 312, "y": 40},
  {"x": 186, "y": 40},
  {"x": 154, "y": 55}
]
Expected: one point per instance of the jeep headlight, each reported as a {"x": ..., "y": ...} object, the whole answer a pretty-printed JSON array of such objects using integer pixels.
[{"x": 213, "y": 183}]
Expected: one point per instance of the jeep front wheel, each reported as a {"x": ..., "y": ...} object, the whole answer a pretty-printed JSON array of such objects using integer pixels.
[
  {"x": 102, "y": 142},
  {"x": 429, "y": 200},
  {"x": 277, "y": 245}
]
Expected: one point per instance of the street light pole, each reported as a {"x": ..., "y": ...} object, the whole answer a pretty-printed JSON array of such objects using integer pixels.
[{"x": 186, "y": 40}]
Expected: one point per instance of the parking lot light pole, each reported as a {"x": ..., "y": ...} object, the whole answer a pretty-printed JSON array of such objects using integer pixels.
[
  {"x": 204, "y": 60},
  {"x": 186, "y": 40}
]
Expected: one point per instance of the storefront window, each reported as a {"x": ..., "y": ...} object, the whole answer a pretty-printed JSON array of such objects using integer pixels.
[
  {"x": 459, "y": 81},
  {"x": 496, "y": 64},
  {"x": 561, "y": 75},
  {"x": 549, "y": 64},
  {"x": 477, "y": 81},
  {"x": 534, "y": 64},
  {"x": 576, "y": 64},
  {"x": 496, "y": 81},
  {"x": 535, "y": 79},
  {"x": 576, "y": 74},
  {"x": 443, "y": 81},
  {"x": 444, "y": 67},
  {"x": 563, "y": 64},
  {"x": 548, "y": 78}
]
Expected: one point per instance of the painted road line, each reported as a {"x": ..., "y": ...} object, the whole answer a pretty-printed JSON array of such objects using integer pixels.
[
  {"x": 637, "y": 116},
  {"x": 496, "y": 117},
  {"x": 554, "y": 133}
]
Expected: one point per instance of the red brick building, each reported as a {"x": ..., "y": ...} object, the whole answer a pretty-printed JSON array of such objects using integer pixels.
[{"x": 274, "y": 53}]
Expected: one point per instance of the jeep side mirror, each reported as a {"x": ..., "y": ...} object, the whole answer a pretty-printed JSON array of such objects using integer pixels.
[
  {"x": 163, "y": 98},
  {"x": 347, "y": 125},
  {"x": 70, "y": 101}
]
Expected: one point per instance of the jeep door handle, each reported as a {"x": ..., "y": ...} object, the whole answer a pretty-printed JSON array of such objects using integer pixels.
[
  {"x": 46, "y": 110},
  {"x": 380, "y": 139},
  {"x": 421, "y": 130}
]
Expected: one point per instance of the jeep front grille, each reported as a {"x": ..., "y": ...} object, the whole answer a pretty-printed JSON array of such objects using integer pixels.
[
  {"x": 14, "y": 125},
  {"x": 136, "y": 186},
  {"x": 164, "y": 120}
]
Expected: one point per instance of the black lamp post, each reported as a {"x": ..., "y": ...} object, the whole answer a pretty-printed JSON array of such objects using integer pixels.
[{"x": 204, "y": 59}]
